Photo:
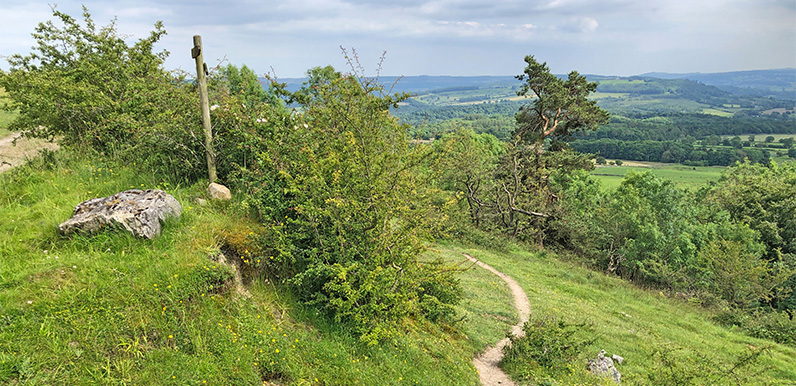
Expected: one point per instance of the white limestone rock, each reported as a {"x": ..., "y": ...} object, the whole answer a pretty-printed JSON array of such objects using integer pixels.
[{"x": 140, "y": 212}]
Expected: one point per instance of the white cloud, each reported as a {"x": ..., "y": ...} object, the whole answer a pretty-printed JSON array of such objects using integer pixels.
[{"x": 455, "y": 36}]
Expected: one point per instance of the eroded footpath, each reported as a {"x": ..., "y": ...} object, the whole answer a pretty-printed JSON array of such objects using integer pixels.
[{"x": 487, "y": 362}]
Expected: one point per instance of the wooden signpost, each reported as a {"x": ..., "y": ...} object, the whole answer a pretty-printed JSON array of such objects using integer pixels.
[{"x": 201, "y": 81}]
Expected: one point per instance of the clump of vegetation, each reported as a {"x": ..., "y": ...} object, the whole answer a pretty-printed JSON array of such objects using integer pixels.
[
  {"x": 88, "y": 87},
  {"x": 346, "y": 220},
  {"x": 335, "y": 184},
  {"x": 775, "y": 326},
  {"x": 551, "y": 349},
  {"x": 676, "y": 366}
]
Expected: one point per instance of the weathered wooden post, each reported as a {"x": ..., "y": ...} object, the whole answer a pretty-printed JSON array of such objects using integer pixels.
[{"x": 201, "y": 81}]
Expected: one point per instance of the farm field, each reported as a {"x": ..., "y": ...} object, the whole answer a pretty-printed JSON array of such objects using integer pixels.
[
  {"x": 690, "y": 177},
  {"x": 761, "y": 137}
]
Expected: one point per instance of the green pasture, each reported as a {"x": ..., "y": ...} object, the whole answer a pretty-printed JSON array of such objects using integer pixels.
[
  {"x": 474, "y": 96},
  {"x": 684, "y": 176},
  {"x": 760, "y": 138},
  {"x": 718, "y": 112}
]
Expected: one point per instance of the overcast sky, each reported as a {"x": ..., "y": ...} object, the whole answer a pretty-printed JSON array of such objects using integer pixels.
[{"x": 448, "y": 37}]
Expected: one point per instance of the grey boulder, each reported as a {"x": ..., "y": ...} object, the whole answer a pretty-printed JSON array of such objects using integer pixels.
[
  {"x": 604, "y": 366},
  {"x": 140, "y": 212}
]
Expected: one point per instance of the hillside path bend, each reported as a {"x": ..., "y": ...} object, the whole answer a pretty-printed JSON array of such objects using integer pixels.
[{"x": 487, "y": 362}]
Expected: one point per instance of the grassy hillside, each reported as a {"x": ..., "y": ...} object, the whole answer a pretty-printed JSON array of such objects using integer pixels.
[
  {"x": 630, "y": 322},
  {"x": 114, "y": 309}
]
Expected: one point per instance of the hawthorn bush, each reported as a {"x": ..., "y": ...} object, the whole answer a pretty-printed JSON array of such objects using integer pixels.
[
  {"x": 342, "y": 197},
  {"x": 93, "y": 91}
]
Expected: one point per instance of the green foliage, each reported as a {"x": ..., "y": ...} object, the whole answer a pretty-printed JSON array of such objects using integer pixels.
[
  {"x": 244, "y": 83},
  {"x": 675, "y": 366},
  {"x": 560, "y": 108},
  {"x": 671, "y": 152},
  {"x": 95, "y": 92},
  {"x": 765, "y": 198},
  {"x": 465, "y": 162},
  {"x": 550, "y": 348},
  {"x": 733, "y": 272},
  {"x": 339, "y": 192},
  {"x": 653, "y": 233}
]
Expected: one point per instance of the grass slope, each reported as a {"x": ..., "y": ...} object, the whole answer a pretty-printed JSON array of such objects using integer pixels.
[
  {"x": 112, "y": 309},
  {"x": 632, "y": 323}
]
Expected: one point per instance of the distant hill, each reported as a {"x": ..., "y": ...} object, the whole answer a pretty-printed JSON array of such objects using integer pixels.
[
  {"x": 426, "y": 83},
  {"x": 777, "y": 83}
]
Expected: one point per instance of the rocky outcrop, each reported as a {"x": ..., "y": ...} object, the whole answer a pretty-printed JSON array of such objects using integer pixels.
[
  {"x": 140, "y": 212},
  {"x": 605, "y": 366}
]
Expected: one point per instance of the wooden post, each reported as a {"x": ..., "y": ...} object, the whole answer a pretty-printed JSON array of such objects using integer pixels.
[{"x": 201, "y": 81}]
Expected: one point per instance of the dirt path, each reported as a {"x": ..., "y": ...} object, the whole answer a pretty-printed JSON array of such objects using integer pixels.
[
  {"x": 14, "y": 155},
  {"x": 487, "y": 362}
]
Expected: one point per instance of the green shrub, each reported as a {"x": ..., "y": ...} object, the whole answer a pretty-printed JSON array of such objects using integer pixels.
[
  {"x": 677, "y": 366},
  {"x": 344, "y": 211},
  {"x": 776, "y": 326},
  {"x": 549, "y": 350},
  {"x": 88, "y": 87}
]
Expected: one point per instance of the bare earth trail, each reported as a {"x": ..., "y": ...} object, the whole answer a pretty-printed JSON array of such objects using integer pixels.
[
  {"x": 14, "y": 155},
  {"x": 487, "y": 362}
]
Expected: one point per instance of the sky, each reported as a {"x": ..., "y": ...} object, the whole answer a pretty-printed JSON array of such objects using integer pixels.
[{"x": 445, "y": 37}]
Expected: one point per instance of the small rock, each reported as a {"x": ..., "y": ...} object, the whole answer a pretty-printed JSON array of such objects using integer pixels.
[
  {"x": 140, "y": 212},
  {"x": 218, "y": 192},
  {"x": 618, "y": 359},
  {"x": 604, "y": 366},
  {"x": 200, "y": 201}
]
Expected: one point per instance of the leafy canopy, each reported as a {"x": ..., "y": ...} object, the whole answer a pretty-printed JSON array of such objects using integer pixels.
[{"x": 560, "y": 107}]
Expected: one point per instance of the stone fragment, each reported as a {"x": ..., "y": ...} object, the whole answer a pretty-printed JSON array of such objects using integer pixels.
[
  {"x": 604, "y": 366},
  {"x": 140, "y": 212},
  {"x": 218, "y": 192}
]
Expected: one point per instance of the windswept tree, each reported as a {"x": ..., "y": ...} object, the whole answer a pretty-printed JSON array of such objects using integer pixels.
[
  {"x": 560, "y": 107},
  {"x": 523, "y": 196}
]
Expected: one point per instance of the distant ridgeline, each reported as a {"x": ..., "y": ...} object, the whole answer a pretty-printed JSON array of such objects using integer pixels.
[{"x": 655, "y": 116}]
